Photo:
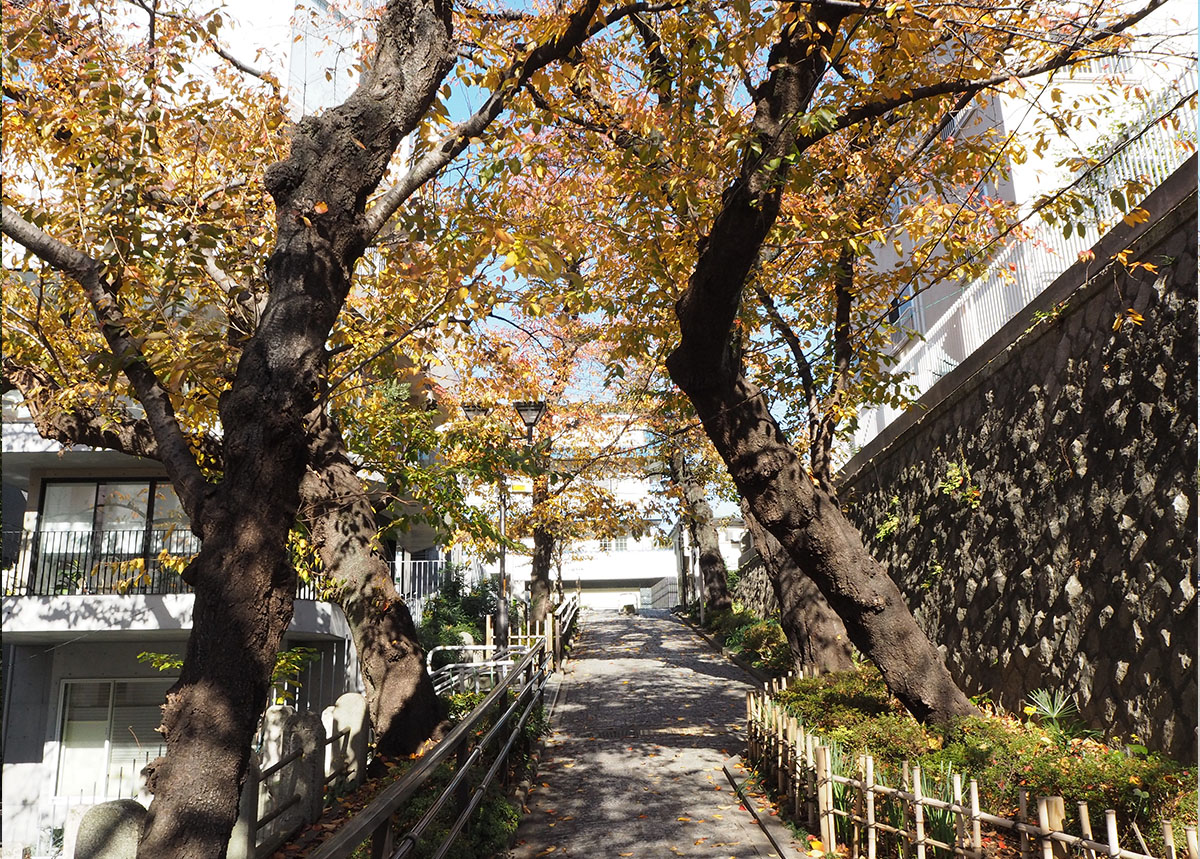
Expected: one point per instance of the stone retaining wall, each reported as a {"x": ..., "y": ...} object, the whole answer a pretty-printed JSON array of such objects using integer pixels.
[{"x": 1040, "y": 514}]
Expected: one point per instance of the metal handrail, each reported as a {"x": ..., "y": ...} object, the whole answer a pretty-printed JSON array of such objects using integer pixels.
[{"x": 374, "y": 820}]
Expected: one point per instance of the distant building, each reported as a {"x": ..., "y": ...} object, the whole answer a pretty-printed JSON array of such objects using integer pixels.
[{"x": 937, "y": 329}]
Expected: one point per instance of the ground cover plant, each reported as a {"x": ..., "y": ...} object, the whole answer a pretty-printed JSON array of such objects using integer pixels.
[
  {"x": 759, "y": 641},
  {"x": 1043, "y": 751}
]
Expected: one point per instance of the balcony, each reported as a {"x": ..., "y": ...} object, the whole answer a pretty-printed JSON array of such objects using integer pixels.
[{"x": 132, "y": 562}]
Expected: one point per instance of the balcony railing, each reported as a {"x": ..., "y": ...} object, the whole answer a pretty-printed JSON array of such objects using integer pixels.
[
  {"x": 1023, "y": 269},
  {"x": 134, "y": 561},
  {"x": 125, "y": 562}
]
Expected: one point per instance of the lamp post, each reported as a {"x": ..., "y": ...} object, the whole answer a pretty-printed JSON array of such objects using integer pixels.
[{"x": 530, "y": 413}]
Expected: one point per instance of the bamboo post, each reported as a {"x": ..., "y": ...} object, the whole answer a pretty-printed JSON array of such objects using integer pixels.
[
  {"x": 810, "y": 757},
  {"x": 750, "y": 722},
  {"x": 1023, "y": 817},
  {"x": 1085, "y": 827},
  {"x": 825, "y": 799},
  {"x": 918, "y": 812},
  {"x": 1051, "y": 811},
  {"x": 1043, "y": 812},
  {"x": 859, "y": 816},
  {"x": 780, "y": 750},
  {"x": 960, "y": 823},
  {"x": 905, "y": 837},
  {"x": 798, "y": 779},
  {"x": 976, "y": 833},
  {"x": 1192, "y": 849},
  {"x": 869, "y": 780},
  {"x": 1114, "y": 844},
  {"x": 1168, "y": 840}
]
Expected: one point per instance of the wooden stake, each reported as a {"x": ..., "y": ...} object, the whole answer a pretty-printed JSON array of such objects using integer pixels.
[
  {"x": 918, "y": 812},
  {"x": 869, "y": 779},
  {"x": 1085, "y": 827}
]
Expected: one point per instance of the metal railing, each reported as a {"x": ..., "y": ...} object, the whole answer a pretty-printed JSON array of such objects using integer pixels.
[
  {"x": 130, "y": 561},
  {"x": 480, "y": 672},
  {"x": 1023, "y": 269},
  {"x": 527, "y": 680},
  {"x": 124, "y": 562}
]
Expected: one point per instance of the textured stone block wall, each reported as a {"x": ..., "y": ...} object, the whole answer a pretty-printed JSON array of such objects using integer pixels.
[{"x": 1041, "y": 520}]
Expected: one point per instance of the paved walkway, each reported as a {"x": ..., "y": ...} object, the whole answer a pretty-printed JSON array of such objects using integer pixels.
[{"x": 646, "y": 714}]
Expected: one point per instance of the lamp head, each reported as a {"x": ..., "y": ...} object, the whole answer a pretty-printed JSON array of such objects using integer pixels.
[{"x": 530, "y": 411}]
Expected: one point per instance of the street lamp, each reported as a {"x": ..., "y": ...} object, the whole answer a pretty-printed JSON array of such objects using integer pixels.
[{"x": 530, "y": 412}]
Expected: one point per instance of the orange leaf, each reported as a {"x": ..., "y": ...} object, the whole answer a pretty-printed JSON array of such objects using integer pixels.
[{"x": 321, "y": 208}]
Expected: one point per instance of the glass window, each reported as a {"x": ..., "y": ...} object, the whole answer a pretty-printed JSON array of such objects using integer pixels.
[
  {"x": 68, "y": 506},
  {"x": 168, "y": 511},
  {"x": 621, "y": 544},
  {"x": 84, "y": 740},
  {"x": 108, "y": 735}
]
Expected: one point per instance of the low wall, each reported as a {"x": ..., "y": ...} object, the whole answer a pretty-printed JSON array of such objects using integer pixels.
[{"x": 1038, "y": 507}]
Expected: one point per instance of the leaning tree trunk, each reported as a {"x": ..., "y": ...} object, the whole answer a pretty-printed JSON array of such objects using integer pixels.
[
  {"x": 707, "y": 366},
  {"x": 704, "y": 534},
  {"x": 543, "y": 554},
  {"x": 810, "y": 525},
  {"x": 400, "y": 697},
  {"x": 243, "y": 583},
  {"x": 816, "y": 635}
]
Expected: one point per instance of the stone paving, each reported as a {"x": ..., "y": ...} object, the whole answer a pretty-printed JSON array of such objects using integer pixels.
[{"x": 646, "y": 714}]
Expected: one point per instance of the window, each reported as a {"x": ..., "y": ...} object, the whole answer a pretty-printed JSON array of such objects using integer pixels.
[
  {"x": 106, "y": 536},
  {"x": 614, "y": 544},
  {"x": 107, "y": 735}
]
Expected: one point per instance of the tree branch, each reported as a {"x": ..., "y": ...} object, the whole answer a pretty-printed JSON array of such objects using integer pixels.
[
  {"x": 174, "y": 452},
  {"x": 579, "y": 29},
  {"x": 1065, "y": 56}
]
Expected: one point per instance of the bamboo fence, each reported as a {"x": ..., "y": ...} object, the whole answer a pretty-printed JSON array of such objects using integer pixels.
[{"x": 872, "y": 820}]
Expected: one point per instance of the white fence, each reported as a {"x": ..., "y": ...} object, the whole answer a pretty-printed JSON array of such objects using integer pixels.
[
  {"x": 1024, "y": 268},
  {"x": 417, "y": 581}
]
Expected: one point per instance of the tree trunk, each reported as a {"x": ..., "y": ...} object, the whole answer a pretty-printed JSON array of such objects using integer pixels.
[
  {"x": 699, "y": 517},
  {"x": 243, "y": 605},
  {"x": 400, "y": 698},
  {"x": 243, "y": 582},
  {"x": 816, "y": 635},
  {"x": 543, "y": 554},
  {"x": 809, "y": 524}
]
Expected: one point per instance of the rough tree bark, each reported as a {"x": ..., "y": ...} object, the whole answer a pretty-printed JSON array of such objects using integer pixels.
[
  {"x": 242, "y": 578},
  {"x": 403, "y": 706},
  {"x": 699, "y": 518},
  {"x": 400, "y": 698},
  {"x": 805, "y": 518},
  {"x": 816, "y": 636}
]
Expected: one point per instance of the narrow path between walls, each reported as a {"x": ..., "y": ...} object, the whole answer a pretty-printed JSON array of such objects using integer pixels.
[{"x": 647, "y": 713}]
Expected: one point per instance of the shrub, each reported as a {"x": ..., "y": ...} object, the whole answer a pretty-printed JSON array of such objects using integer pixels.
[{"x": 854, "y": 710}]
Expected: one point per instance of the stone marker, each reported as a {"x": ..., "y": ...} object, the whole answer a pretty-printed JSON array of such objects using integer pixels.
[
  {"x": 110, "y": 830},
  {"x": 350, "y": 711}
]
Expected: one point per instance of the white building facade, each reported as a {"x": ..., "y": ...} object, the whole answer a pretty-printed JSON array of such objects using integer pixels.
[{"x": 1146, "y": 134}]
